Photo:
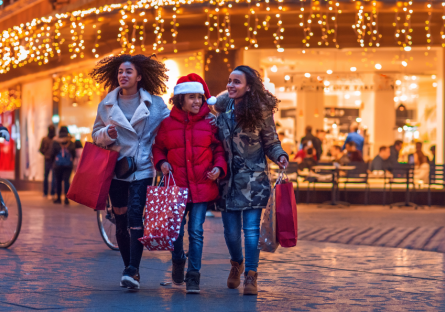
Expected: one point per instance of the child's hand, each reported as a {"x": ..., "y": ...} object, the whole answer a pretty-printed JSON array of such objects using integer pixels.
[
  {"x": 166, "y": 168},
  {"x": 214, "y": 174}
]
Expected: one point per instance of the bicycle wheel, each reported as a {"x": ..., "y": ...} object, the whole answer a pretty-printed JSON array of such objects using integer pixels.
[
  {"x": 10, "y": 214},
  {"x": 107, "y": 226}
]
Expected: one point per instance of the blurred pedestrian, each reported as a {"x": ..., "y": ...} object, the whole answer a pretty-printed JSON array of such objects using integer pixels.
[
  {"x": 308, "y": 161},
  {"x": 354, "y": 155},
  {"x": 395, "y": 150},
  {"x": 46, "y": 150},
  {"x": 63, "y": 154},
  {"x": 248, "y": 132},
  {"x": 301, "y": 154},
  {"x": 316, "y": 143},
  {"x": 355, "y": 137},
  {"x": 339, "y": 156},
  {"x": 79, "y": 148},
  {"x": 433, "y": 152},
  {"x": 381, "y": 161},
  {"x": 421, "y": 164}
]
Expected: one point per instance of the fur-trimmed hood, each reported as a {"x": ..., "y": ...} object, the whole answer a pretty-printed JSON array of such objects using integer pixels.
[{"x": 222, "y": 100}]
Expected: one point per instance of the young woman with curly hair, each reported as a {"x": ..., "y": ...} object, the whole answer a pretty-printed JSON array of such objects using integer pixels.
[
  {"x": 127, "y": 122},
  {"x": 248, "y": 133}
]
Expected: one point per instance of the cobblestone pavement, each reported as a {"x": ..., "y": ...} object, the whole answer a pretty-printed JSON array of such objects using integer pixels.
[
  {"x": 374, "y": 226},
  {"x": 60, "y": 263}
]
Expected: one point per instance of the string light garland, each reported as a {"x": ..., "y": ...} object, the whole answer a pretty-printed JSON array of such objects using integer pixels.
[
  {"x": 10, "y": 99},
  {"x": 78, "y": 87},
  {"x": 428, "y": 24},
  {"x": 403, "y": 34},
  {"x": 442, "y": 30},
  {"x": 41, "y": 39}
]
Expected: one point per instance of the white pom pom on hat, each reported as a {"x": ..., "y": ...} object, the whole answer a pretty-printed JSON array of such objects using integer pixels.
[
  {"x": 193, "y": 83},
  {"x": 211, "y": 100}
]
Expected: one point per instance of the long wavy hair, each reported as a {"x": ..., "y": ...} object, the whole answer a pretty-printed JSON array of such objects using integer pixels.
[
  {"x": 256, "y": 102},
  {"x": 153, "y": 72}
]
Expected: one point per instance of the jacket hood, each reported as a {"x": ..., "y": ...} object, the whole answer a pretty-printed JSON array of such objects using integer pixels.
[
  {"x": 64, "y": 140},
  {"x": 180, "y": 115},
  {"x": 222, "y": 100}
]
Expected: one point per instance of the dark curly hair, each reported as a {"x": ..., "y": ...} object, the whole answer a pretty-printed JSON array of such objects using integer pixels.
[
  {"x": 178, "y": 100},
  {"x": 153, "y": 72},
  {"x": 250, "y": 111}
]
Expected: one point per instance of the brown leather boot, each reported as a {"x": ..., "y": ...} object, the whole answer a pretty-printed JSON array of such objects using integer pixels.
[
  {"x": 235, "y": 274},
  {"x": 250, "y": 283}
]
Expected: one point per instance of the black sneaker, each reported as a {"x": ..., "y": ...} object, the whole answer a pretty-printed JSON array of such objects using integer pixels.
[
  {"x": 67, "y": 202},
  {"x": 178, "y": 271},
  {"x": 131, "y": 278},
  {"x": 57, "y": 201},
  {"x": 192, "y": 282}
]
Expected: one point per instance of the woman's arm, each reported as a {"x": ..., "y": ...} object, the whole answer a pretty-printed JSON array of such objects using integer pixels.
[
  {"x": 100, "y": 131},
  {"x": 271, "y": 143},
  {"x": 219, "y": 155},
  {"x": 159, "y": 149}
]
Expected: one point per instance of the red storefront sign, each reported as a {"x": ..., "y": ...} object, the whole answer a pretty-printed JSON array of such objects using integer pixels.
[{"x": 7, "y": 149}]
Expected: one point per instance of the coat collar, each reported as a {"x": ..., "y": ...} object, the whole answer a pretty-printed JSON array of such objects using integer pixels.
[
  {"x": 182, "y": 116},
  {"x": 117, "y": 116}
]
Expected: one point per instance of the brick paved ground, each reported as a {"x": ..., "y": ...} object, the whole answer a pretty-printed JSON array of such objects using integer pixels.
[
  {"x": 422, "y": 229},
  {"x": 61, "y": 263}
]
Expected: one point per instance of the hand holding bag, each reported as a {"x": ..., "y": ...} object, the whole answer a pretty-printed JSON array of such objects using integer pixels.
[
  {"x": 92, "y": 180},
  {"x": 268, "y": 231},
  {"x": 286, "y": 207},
  {"x": 164, "y": 211}
]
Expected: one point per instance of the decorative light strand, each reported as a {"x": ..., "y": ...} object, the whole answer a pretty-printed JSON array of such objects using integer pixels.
[
  {"x": 428, "y": 24},
  {"x": 442, "y": 30}
]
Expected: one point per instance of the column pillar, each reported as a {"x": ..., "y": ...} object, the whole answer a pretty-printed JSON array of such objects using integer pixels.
[
  {"x": 310, "y": 108},
  {"x": 378, "y": 113},
  {"x": 440, "y": 110}
]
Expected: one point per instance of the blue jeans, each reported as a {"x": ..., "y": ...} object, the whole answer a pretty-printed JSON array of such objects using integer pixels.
[
  {"x": 251, "y": 219},
  {"x": 197, "y": 215}
]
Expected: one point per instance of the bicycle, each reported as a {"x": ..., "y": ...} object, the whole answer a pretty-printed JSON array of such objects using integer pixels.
[
  {"x": 107, "y": 225},
  {"x": 10, "y": 214}
]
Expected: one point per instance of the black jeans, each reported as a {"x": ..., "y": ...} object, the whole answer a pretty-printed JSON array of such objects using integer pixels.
[
  {"x": 131, "y": 195},
  {"x": 62, "y": 174},
  {"x": 48, "y": 169}
]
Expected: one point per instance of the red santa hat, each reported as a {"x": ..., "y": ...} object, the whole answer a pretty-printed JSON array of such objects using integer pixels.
[{"x": 193, "y": 83}]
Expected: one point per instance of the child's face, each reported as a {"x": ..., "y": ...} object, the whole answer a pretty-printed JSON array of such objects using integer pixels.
[{"x": 192, "y": 103}]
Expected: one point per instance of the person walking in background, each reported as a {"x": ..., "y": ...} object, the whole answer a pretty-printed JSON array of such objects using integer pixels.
[
  {"x": 339, "y": 157},
  {"x": 316, "y": 143},
  {"x": 381, "y": 161},
  {"x": 355, "y": 137},
  {"x": 62, "y": 155},
  {"x": 394, "y": 152},
  {"x": 79, "y": 148},
  {"x": 46, "y": 150},
  {"x": 433, "y": 152},
  {"x": 308, "y": 161},
  {"x": 186, "y": 144},
  {"x": 301, "y": 154},
  {"x": 421, "y": 164},
  {"x": 354, "y": 155},
  {"x": 247, "y": 130}
]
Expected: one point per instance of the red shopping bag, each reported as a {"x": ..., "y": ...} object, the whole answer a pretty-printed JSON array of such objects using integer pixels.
[
  {"x": 286, "y": 210},
  {"x": 93, "y": 177},
  {"x": 164, "y": 210}
]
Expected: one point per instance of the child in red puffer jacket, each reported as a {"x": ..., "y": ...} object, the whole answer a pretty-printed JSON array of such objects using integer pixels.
[{"x": 187, "y": 146}]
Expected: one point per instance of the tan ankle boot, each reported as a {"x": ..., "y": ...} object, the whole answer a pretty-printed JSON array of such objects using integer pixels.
[
  {"x": 235, "y": 275},
  {"x": 250, "y": 283}
]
